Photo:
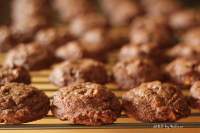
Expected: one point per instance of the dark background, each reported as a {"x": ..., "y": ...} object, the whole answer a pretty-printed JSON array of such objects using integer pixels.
[{"x": 5, "y": 9}]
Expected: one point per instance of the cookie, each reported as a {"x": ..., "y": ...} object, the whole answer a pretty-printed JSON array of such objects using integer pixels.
[
  {"x": 192, "y": 37},
  {"x": 184, "y": 20},
  {"x": 28, "y": 16},
  {"x": 20, "y": 103},
  {"x": 183, "y": 50},
  {"x": 70, "y": 51},
  {"x": 183, "y": 71},
  {"x": 149, "y": 30},
  {"x": 83, "y": 70},
  {"x": 6, "y": 39},
  {"x": 86, "y": 103},
  {"x": 161, "y": 7},
  {"x": 96, "y": 42},
  {"x": 69, "y": 9},
  {"x": 132, "y": 51},
  {"x": 53, "y": 37},
  {"x": 81, "y": 24},
  {"x": 194, "y": 99},
  {"x": 155, "y": 102},
  {"x": 31, "y": 56},
  {"x": 121, "y": 12},
  {"x": 131, "y": 73},
  {"x": 15, "y": 74}
]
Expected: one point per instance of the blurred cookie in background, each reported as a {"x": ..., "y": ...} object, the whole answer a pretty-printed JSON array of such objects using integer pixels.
[{"x": 31, "y": 56}]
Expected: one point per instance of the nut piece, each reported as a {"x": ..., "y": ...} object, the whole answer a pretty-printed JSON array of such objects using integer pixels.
[{"x": 155, "y": 102}]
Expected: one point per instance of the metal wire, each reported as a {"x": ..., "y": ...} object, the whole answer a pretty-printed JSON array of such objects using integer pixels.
[{"x": 112, "y": 126}]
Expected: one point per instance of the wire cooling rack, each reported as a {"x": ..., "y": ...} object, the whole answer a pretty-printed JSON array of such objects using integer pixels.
[{"x": 40, "y": 80}]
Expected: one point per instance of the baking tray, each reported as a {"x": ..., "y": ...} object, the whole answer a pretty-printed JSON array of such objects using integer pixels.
[{"x": 40, "y": 80}]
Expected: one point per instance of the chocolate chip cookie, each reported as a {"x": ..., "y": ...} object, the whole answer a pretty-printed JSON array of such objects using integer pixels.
[
  {"x": 83, "y": 70},
  {"x": 155, "y": 102},
  {"x": 86, "y": 103},
  {"x": 20, "y": 103}
]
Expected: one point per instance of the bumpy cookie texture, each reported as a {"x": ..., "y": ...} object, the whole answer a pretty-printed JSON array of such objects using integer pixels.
[
  {"x": 155, "y": 102},
  {"x": 31, "y": 56},
  {"x": 183, "y": 50},
  {"x": 83, "y": 70},
  {"x": 28, "y": 16},
  {"x": 194, "y": 99},
  {"x": 131, "y": 73},
  {"x": 69, "y": 9},
  {"x": 121, "y": 12},
  {"x": 184, "y": 71},
  {"x": 184, "y": 20},
  {"x": 192, "y": 37},
  {"x": 81, "y": 24},
  {"x": 149, "y": 30},
  {"x": 15, "y": 74},
  {"x": 86, "y": 103},
  {"x": 20, "y": 103},
  {"x": 70, "y": 51},
  {"x": 6, "y": 40},
  {"x": 54, "y": 37}
]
